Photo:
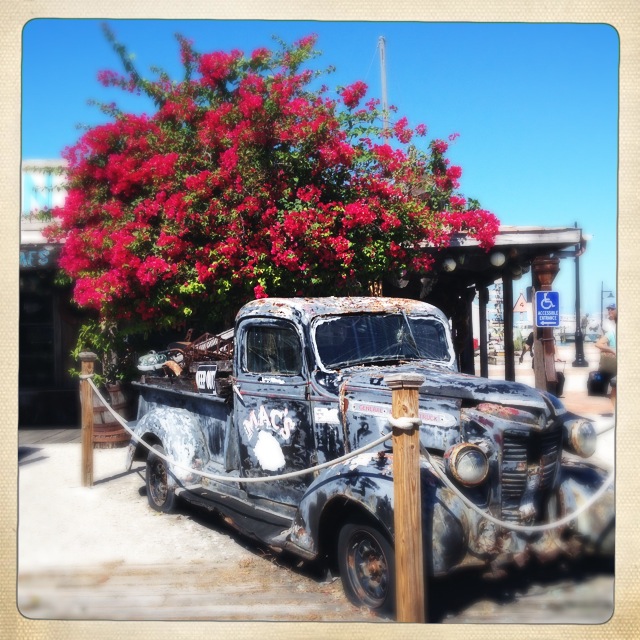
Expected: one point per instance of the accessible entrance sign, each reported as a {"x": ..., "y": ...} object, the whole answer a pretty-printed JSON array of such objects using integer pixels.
[{"x": 547, "y": 309}]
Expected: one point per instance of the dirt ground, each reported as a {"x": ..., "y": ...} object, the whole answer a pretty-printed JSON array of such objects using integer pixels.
[{"x": 100, "y": 553}]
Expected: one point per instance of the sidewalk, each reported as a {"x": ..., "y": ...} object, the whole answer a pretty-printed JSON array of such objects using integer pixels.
[
  {"x": 599, "y": 409},
  {"x": 575, "y": 396}
]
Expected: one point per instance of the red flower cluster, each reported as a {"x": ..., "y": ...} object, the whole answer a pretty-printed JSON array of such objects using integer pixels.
[
  {"x": 353, "y": 94},
  {"x": 247, "y": 183}
]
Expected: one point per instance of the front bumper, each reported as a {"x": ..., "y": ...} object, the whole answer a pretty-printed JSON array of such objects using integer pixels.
[{"x": 460, "y": 537}]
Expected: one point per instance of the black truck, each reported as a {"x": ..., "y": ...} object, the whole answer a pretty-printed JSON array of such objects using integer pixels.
[{"x": 503, "y": 465}]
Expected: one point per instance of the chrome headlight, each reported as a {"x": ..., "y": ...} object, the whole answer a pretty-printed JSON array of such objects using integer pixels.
[
  {"x": 467, "y": 463},
  {"x": 580, "y": 437}
]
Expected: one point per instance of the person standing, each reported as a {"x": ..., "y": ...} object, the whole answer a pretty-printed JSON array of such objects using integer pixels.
[
  {"x": 527, "y": 345},
  {"x": 608, "y": 366}
]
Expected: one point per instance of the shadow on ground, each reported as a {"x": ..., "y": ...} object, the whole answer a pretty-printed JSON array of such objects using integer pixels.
[{"x": 447, "y": 597}]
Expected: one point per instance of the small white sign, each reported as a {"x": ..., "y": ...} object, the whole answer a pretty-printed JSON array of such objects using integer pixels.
[
  {"x": 436, "y": 418},
  {"x": 206, "y": 378},
  {"x": 326, "y": 415}
]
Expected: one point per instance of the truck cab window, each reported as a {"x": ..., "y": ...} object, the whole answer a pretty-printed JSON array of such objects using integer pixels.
[{"x": 272, "y": 349}]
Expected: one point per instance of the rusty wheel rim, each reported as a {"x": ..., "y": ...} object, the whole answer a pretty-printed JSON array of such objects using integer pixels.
[
  {"x": 158, "y": 486},
  {"x": 368, "y": 569}
]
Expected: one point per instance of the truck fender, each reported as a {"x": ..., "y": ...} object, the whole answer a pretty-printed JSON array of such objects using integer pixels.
[
  {"x": 179, "y": 433},
  {"x": 363, "y": 483},
  {"x": 596, "y": 525},
  {"x": 363, "y": 486}
]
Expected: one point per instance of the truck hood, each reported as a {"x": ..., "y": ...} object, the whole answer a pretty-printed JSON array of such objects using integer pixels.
[{"x": 443, "y": 383}]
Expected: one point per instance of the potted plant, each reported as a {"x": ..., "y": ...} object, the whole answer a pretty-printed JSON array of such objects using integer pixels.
[{"x": 113, "y": 371}]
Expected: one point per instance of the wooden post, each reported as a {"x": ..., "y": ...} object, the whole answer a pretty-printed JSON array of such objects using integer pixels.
[
  {"x": 483, "y": 295},
  {"x": 87, "y": 360},
  {"x": 545, "y": 269},
  {"x": 410, "y": 583},
  {"x": 507, "y": 305}
]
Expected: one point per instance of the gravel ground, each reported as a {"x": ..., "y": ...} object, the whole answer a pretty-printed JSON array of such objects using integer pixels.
[
  {"x": 65, "y": 524},
  {"x": 100, "y": 553}
]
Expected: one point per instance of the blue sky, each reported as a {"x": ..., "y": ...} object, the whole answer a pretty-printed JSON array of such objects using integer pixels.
[{"x": 536, "y": 105}]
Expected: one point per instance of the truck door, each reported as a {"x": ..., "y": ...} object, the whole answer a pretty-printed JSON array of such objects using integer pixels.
[{"x": 272, "y": 408}]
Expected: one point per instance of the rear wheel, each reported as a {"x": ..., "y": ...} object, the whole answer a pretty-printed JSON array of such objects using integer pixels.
[
  {"x": 367, "y": 567},
  {"x": 160, "y": 495}
]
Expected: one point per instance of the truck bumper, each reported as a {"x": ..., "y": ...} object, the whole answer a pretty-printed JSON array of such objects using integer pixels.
[{"x": 457, "y": 537}]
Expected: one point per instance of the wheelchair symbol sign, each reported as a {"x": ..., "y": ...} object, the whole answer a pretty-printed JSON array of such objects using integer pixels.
[{"x": 547, "y": 309}]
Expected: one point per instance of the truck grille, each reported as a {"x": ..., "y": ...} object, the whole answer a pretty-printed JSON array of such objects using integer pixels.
[{"x": 523, "y": 451}]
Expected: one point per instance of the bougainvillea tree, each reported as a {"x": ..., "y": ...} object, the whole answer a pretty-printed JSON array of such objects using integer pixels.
[{"x": 249, "y": 180}]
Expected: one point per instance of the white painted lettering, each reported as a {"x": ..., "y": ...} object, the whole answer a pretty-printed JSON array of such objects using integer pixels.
[
  {"x": 263, "y": 417},
  {"x": 287, "y": 425},
  {"x": 250, "y": 424},
  {"x": 275, "y": 420},
  {"x": 275, "y": 416}
]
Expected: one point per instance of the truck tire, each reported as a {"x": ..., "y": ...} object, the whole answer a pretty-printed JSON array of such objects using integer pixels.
[
  {"x": 160, "y": 495},
  {"x": 367, "y": 567}
]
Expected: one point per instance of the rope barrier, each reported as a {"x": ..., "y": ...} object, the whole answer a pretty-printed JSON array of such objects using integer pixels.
[
  {"x": 218, "y": 478},
  {"x": 405, "y": 424},
  {"x": 402, "y": 423},
  {"x": 510, "y": 525}
]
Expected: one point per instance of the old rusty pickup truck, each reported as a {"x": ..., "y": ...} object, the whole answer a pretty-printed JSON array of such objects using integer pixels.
[{"x": 306, "y": 385}]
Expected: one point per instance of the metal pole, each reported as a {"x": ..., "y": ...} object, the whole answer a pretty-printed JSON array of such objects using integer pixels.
[
  {"x": 509, "y": 353},
  {"x": 602, "y": 307},
  {"x": 483, "y": 295},
  {"x": 579, "y": 337},
  {"x": 383, "y": 79},
  {"x": 407, "y": 510}
]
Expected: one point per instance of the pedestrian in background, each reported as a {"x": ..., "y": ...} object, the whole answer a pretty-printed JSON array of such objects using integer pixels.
[
  {"x": 608, "y": 366},
  {"x": 527, "y": 345}
]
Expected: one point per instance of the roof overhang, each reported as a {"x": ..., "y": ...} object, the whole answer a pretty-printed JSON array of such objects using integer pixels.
[{"x": 464, "y": 263}]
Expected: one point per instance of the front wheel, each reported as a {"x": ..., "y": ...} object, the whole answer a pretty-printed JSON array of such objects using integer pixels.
[
  {"x": 367, "y": 567},
  {"x": 160, "y": 495}
]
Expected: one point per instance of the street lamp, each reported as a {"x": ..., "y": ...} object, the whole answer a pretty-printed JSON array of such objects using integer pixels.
[
  {"x": 602, "y": 292},
  {"x": 579, "y": 337}
]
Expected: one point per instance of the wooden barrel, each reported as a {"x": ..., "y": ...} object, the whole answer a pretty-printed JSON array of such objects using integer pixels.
[{"x": 108, "y": 433}]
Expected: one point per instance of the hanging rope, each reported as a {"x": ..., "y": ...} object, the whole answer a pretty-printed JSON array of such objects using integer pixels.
[
  {"x": 401, "y": 423},
  {"x": 219, "y": 478}
]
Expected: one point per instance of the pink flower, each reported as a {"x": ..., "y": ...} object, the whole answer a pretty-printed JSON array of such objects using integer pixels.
[
  {"x": 249, "y": 179},
  {"x": 307, "y": 42},
  {"x": 259, "y": 292},
  {"x": 457, "y": 202},
  {"x": 402, "y": 131},
  {"x": 352, "y": 94},
  {"x": 216, "y": 66},
  {"x": 260, "y": 55},
  {"x": 439, "y": 146}
]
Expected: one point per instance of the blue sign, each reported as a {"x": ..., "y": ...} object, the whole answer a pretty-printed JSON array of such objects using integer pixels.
[{"x": 547, "y": 309}]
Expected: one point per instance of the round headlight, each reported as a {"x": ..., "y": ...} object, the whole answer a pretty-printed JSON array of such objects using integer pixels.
[
  {"x": 582, "y": 438},
  {"x": 467, "y": 464}
]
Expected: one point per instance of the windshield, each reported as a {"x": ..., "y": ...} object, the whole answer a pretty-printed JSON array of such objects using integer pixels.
[{"x": 363, "y": 339}]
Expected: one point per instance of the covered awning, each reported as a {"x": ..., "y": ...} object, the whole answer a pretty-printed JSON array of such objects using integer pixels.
[
  {"x": 465, "y": 269},
  {"x": 514, "y": 250}
]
